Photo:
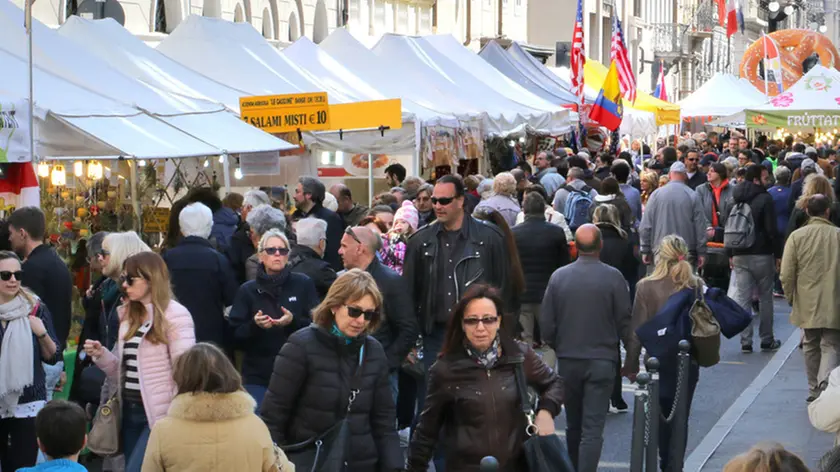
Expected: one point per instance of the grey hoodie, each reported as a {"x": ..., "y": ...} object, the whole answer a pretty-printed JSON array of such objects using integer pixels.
[{"x": 673, "y": 209}]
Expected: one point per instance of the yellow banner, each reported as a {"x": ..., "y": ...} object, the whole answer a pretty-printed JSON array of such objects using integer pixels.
[
  {"x": 363, "y": 115},
  {"x": 285, "y": 113}
]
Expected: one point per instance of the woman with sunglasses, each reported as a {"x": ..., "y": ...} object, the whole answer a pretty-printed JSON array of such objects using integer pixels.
[
  {"x": 154, "y": 330},
  {"x": 473, "y": 401},
  {"x": 325, "y": 366},
  {"x": 267, "y": 310},
  {"x": 27, "y": 338}
]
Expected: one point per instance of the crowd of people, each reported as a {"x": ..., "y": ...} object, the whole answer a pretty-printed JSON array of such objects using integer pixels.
[{"x": 288, "y": 313}]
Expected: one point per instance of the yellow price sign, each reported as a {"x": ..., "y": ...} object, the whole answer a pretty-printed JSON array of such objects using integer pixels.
[
  {"x": 285, "y": 113},
  {"x": 156, "y": 220}
]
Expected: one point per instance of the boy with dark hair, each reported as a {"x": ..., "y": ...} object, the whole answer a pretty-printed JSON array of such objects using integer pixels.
[{"x": 61, "y": 428}]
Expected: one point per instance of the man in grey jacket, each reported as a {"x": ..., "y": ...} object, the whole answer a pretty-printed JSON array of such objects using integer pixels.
[
  {"x": 584, "y": 313},
  {"x": 674, "y": 209}
]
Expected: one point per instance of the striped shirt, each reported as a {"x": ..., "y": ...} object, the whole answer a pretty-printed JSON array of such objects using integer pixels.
[{"x": 131, "y": 376}]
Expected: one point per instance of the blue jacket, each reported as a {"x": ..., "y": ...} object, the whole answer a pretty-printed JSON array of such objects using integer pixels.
[
  {"x": 203, "y": 282},
  {"x": 225, "y": 222},
  {"x": 781, "y": 197},
  {"x": 57, "y": 465},
  {"x": 661, "y": 335}
]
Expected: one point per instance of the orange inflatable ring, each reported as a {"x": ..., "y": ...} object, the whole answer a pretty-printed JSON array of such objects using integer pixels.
[{"x": 795, "y": 46}]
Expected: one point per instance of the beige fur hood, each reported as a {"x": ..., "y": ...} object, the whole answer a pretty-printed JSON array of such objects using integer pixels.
[{"x": 212, "y": 406}]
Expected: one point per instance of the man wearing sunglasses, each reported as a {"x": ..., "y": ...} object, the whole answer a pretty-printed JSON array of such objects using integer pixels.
[
  {"x": 444, "y": 258},
  {"x": 46, "y": 275},
  {"x": 398, "y": 333},
  {"x": 696, "y": 177}
]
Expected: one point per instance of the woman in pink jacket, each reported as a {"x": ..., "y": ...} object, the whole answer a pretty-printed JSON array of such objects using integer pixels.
[{"x": 154, "y": 331}]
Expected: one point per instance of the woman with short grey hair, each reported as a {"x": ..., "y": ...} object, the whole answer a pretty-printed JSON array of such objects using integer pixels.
[
  {"x": 262, "y": 219},
  {"x": 502, "y": 198}
]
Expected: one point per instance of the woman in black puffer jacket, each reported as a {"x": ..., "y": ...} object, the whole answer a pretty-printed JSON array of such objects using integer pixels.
[{"x": 310, "y": 388}]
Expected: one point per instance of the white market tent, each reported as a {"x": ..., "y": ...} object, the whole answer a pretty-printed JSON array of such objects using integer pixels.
[
  {"x": 636, "y": 123},
  {"x": 244, "y": 59},
  {"x": 722, "y": 95},
  {"x": 394, "y": 82},
  {"x": 813, "y": 102},
  {"x": 505, "y": 107},
  {"x": 75, "y": 121},
  {"x": 201, "y": 121}
]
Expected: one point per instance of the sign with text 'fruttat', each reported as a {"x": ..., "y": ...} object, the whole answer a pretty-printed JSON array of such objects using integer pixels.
[{"x": 285, "y": 113}]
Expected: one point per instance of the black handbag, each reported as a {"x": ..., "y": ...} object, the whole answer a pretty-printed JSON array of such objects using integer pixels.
[
  {"x": 327, "y": 452},
  {"x": 543, "y": 453}
]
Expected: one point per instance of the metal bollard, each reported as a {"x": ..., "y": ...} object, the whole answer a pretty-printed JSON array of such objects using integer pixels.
[
  {"x": 679, "y": 427},
  {"x": 640, "y": 404},
  {"x": 489, "y": 464},
  {"x": 652, "y": 452}
]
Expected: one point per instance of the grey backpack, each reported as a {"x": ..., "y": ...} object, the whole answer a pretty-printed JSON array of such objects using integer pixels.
[{"x": 739, "y": 232}]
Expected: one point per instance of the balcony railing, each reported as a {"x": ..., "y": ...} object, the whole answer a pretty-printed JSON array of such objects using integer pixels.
[
  {"x": 698, "y": 17},
  {"x": 667, "y": 38}
]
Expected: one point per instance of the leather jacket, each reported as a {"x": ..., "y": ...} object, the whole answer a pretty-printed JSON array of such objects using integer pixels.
[
  {"x": 479, "y": 411},
  {"x": 484, "y": 261}
]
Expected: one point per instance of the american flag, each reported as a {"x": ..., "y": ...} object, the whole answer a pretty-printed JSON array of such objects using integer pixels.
[
  {"x": 578, "y": 58},
  {"x": 618, "y": 54}
]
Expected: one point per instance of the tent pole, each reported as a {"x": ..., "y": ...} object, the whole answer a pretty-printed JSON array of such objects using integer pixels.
[
  {"x": 226, "y": 172},
  {"x": 28, "y": 24},
  {"x": 370, "y": 180},
  {"x": 135, "y": 201}
]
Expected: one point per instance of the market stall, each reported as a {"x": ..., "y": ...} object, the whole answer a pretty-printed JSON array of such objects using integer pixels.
[{"x": 722, "y": 95}]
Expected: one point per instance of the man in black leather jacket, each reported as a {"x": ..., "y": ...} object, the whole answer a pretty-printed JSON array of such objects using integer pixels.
[{"x": 444, "y": 258}]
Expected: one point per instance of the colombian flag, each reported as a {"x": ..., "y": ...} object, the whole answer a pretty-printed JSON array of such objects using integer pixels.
[{"x": 607, "y": 109}]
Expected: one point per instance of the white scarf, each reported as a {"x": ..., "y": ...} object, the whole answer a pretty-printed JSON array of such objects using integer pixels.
[{"x": 16, "y": 356}]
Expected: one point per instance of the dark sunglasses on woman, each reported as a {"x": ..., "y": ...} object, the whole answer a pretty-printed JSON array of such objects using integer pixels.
[
  {"x": 486, "y": 321},
  {"x": 6, "y": 275},
  {"x": 355, "y": 312},
  {"x": 127, "y": 279},
  {"x": 283, "y": 251}
]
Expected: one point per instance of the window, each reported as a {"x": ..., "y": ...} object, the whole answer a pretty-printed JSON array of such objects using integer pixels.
[
  {"x": 294, "y": 28},
  {"x": 267, "y": 27},
  {"x": 320, "y": 29},
  {"x": 238, "y": 14},
  {"x": 160, "y": 16},
  {"x": 379, "y": 14}
]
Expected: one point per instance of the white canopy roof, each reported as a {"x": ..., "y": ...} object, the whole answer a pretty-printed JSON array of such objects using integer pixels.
[
  {"x": 243, "y": 59},
  {"x": 503, "y": 106},
  {"x": 199, "y": 119},
  {"x": 722, "y": 95}
]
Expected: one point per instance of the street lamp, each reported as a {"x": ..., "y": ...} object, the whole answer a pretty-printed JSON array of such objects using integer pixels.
[
  {"x": 789, "y": 10},
  {"x": 774, "y": 6},
  {"x": 823, "y": 28}
]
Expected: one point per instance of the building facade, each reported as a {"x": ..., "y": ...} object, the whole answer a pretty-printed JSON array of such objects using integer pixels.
[{"x": 286, "y": 20}]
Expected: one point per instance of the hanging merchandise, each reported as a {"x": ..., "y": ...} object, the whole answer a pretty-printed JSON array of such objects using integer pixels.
[{"x": 14, "y": 132}]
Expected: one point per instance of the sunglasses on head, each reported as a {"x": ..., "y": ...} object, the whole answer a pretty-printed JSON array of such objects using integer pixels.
[
  {"x": 349, "y": 231},
  {"x": 283, "y": 251},
  {"x": 443, "y": 201},
  {"x": 486, "y": 321},
  {"x": 6, "y": 275},
  {"x": 355, "y": 312}
]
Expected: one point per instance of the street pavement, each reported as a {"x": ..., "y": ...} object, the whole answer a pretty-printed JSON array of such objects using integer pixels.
[{"x": 766, "y": 395}]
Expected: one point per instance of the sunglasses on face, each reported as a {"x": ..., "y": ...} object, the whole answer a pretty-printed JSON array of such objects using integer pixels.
[
  {"x": 282, "y": 251},
  {"x": 103, "y": 253},
  {"x": 349, "y": 231},
  {"x": 443, "y": 201},
  {"x": 355, "y": 312},
  {"x": 127, "y": 279},
  {"x": 486, "y": 321},
  {"x": 6, "y": 275}
]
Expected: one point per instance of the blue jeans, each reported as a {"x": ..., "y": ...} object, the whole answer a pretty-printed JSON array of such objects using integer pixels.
[
  {"x": 135, "y": 435},
  {"x": 53, "y": 374},
  {"x": 257, "y": 392},
  {"x": 394, "y": 377}
]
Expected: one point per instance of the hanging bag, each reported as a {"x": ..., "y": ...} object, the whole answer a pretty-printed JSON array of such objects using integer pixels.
[
  {"x": 543, "y": 453},
  {"x": 705, "y": 331},
  {"x": 104, "y": 436},
  {"x": 327, "y": 452}
]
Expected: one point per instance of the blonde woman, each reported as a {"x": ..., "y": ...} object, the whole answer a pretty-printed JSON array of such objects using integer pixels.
[
  {"x": 27, "y": 338},
  {"x": 767, "y": 457},
  {"x": 154, "y": 330},
  {"x": 503, "y": 199},
  {"x": 335, "y": 369},
  {"x": 671, "y": 274},
  {"x": 649, "y": 181},
  {"x": 211, "y": 423},
  {"x": 815, "y": 184}
]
